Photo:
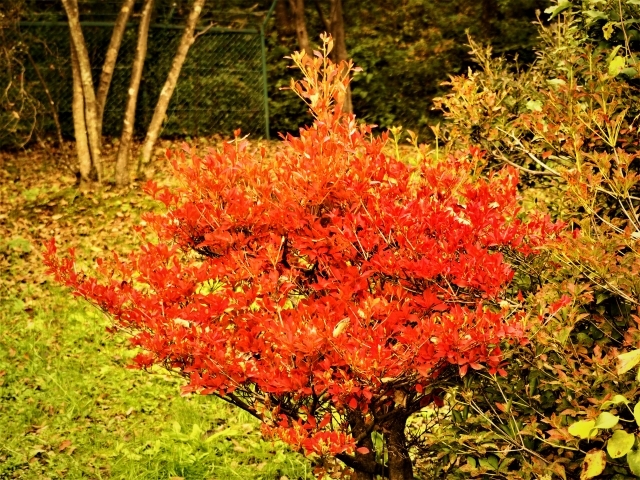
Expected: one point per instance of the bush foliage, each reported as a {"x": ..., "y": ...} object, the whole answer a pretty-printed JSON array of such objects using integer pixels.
[{"x": 331, "y": 291}]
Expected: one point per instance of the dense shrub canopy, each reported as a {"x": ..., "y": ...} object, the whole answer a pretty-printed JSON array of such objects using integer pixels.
[{"x": 329, "y": 289}]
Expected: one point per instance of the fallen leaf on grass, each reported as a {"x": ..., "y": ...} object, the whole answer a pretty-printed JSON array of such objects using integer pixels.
[
  {"x": 594, "y": 463},
  {"x": 64, "y": 445},
  {"x": 35, "y": 451}
]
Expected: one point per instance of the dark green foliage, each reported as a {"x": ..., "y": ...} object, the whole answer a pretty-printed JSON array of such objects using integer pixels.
[
  {"x": 287, "y": 112},
  {"x": 407, "y": 50}
]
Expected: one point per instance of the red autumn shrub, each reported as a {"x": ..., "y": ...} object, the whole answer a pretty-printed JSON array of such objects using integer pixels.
[{"x": 329, "y": 290}]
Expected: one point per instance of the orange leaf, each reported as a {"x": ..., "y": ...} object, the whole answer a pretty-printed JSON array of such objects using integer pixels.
[{"x": 64, "y": 445}]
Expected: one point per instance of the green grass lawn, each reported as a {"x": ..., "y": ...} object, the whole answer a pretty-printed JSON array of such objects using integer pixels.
[{"x": 69, "y": 406}]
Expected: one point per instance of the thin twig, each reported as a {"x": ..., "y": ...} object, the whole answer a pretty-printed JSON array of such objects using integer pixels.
[{"x": 520, "y": 167}]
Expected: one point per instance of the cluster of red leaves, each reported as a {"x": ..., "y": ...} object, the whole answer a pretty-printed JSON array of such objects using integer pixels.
[
  {"x": 327, "y": 279},
  {"x": 311, "y": 436}
]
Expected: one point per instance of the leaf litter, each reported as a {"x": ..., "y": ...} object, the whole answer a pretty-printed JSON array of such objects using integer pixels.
[{"x": 68, "y": 407}]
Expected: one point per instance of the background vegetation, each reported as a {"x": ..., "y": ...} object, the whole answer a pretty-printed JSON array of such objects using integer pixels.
[
  {"x": 569, "y": 123},
  {"x": 406, "y": 52}
]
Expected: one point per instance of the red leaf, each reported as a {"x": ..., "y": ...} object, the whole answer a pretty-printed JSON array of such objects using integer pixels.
[
  {"x": 557, "y": 305},
  {"x": 325, "y": 421}
]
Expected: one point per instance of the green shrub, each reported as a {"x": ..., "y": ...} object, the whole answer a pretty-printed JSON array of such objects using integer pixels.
[{"x": 569, "y": 124}]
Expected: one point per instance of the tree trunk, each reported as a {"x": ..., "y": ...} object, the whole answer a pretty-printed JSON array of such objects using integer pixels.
[
  {"x": 400, "y": 466},
  {"x": 340, "y": 46},
  {"x": 297, "y": 9},
  {"x": 364, "y": 464},
  {"x": 84, "y": 67},
  {"x": 79, "y": 125},
  {"x": 283, "y": 20},
  {"x": 110, "y": 59},
  {"x": 122, "y": 160},
  {"x": 172, "y": 79},
  {"x": 326, "y": 24},
  {"x": 364, "y": 459},
  {"x": 357, "y": 475}
]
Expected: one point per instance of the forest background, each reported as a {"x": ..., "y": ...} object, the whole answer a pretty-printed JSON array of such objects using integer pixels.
[{"x": 406, "y": 50}]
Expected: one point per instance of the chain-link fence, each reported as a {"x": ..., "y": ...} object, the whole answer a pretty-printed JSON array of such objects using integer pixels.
[{"x": 222, "y": 85}]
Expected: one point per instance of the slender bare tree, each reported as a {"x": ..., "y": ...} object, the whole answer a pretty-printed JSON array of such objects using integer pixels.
[
  {"x": 297, "y": 9},
  {"x": 109, "y": 64},
  {"x": 93, "y": 103},
  {"x": 89, "y": 103},
  {"x": 188, "y": 37},
  {"x": 88, "y": 93},
  {"x": 122, "y": 159},
  {"x": 79, "y": 125}
]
